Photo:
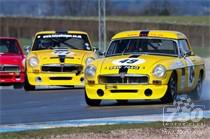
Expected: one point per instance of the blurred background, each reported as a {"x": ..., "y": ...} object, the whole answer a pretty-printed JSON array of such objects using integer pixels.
[{"x": 23, "y": 18}]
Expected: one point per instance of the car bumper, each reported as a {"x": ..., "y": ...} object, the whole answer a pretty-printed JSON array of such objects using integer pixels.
[
  {"x": 12, "y": 77},
  {"x": 55, "y": 79},
  {"x": 133, "y": 92}
]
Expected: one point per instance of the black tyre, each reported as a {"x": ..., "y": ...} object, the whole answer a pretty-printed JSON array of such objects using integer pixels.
[
  {"x": 28, "y": 86},
  {"x": 122, "y": 102},
  {"x": 92, "y": 102},
  {"x": 171, "y": 92},
  {"x": 18, "y": 85},
  {"x": 198, "y": 88}
]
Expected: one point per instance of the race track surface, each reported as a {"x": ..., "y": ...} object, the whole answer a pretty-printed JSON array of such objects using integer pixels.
[
  {"x": 50, "y": 104},
  {"x": 18, "y": 106}
]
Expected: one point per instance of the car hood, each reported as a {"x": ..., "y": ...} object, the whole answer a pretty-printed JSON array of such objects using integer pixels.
[
  {"x": 52, "y": 56},
  {"x": 135, "y": 64},
  {"x": 11, "y": 58}
]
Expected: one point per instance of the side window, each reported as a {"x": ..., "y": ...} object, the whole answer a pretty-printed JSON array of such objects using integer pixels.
[{"x": 184, "y": 48}]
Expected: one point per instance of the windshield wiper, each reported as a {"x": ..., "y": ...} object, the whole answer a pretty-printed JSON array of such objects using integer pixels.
[{"x": 67, "y": 44}]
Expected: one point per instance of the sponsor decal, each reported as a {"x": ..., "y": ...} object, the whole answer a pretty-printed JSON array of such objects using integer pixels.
[
  {"x": 128, "y": 61},
  {"x": 127, "y": 67},
  {"x": 62, "y": 36}
]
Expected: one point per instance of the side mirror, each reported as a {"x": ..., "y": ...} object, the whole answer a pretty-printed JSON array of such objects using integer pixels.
[
  {"x": 187, "y": 54},
  {"x": 100, "y": 53},
  {"x": 27, "y": 49},
  {"x": 95, "y": 49}
]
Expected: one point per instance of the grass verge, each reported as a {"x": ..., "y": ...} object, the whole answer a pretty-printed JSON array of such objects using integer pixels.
[
  {"x": 76, "y": 130},
  {"x": 180, "y": 20}
]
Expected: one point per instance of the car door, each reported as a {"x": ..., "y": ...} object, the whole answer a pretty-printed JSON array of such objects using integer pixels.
[{"x": 190, "y": 64}]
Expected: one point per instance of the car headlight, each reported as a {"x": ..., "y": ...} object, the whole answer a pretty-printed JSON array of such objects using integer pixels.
[
  {"x": 90, "y": 71},
  {"x": 33, "y": 61},
  {"x": 159, "y": 71},
  {"x": 89, "y": 60}
]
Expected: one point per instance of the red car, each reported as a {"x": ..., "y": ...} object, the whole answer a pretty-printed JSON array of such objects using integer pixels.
[{"x": 12, "y": 63}]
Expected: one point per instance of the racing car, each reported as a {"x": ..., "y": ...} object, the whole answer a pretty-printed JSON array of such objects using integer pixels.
[
  {"x": 58, "y": 59},
  {"x": 12, "y": 71},
  {"x": 144, "y": 65}
]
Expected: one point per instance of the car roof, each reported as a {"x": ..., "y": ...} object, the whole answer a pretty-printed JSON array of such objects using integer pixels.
[
  {"x": 8, "y": 38},
  {"x": 60, "y": 32},
  {"x": 150, "y": 33}
]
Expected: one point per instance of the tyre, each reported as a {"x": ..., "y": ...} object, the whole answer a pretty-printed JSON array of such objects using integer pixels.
[
  {"x": 18, "y": 86},
  {"x": 198, "y": 89},
  {"x": 28, "y": 86},
  {"x": 171, "y": 92},
  {"x": 122, "y": 102},
  {"x": 92, "y": 102}
]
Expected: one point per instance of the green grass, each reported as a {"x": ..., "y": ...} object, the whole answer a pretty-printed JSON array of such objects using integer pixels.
[
  {"x": 202, "y": 51},
  {"x": 25, "y": 42},
  {"x": 183, "y": 20},
  {"x": 76, "y": 130}
]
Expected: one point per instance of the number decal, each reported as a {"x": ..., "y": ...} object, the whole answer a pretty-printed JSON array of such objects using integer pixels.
[
  {"x": 128, "y": 61},
  {"x": 191, "y": 72}
]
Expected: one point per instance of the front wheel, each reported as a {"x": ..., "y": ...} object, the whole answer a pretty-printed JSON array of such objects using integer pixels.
[
  {"x": 92, "y": 102},
  {"x": 28, "y": 86},
  {"x": 171, "y": 92}
]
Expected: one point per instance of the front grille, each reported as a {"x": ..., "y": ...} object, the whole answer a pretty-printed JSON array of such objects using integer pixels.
[
  {"x": 9, "y": 68},
  {"x": 60, "y": 78},
  {"x": 124, "y": 91},
  {"x": 73, "y": 68},
  {"x": 123, "y": 79}
]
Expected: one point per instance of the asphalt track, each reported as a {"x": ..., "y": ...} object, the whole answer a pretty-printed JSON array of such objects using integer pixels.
[
  {"x": 18, "y": 106},
  {"x": 51, "y": 104}
]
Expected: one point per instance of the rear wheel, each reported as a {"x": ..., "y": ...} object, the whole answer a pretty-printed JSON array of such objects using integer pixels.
[
  {"x": 171, "y": 92},
  {"x": 28, "y": 86},
  {"x": 92, "y": 102}
]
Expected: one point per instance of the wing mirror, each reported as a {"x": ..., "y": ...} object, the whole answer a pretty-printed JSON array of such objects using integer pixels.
[
  {"x": 186, "y": 54},
  {"x": 101, "y": 53},
  {"x": 27, "y": 49},
  {"x": 95, "y": 49}
]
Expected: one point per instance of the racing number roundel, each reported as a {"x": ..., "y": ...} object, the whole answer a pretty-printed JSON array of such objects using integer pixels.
[{"x": 128, "y": 61}]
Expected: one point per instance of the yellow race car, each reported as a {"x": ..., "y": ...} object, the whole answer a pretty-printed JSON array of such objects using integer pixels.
[
  {"x": 139, "y": 65},
  {"x": 58, "y": 59}
]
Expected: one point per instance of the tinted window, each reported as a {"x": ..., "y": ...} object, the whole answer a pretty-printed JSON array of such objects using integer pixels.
[
  {"x": 52, "y": 41},
  {"x": 149, "y": 46},
  {"x": 8, "y": 46}
]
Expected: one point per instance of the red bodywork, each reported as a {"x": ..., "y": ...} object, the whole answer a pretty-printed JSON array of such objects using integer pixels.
[{"x": 11, "y": 61}]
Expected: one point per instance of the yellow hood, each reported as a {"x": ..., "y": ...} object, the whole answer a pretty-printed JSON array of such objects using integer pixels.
[
  {"x": 136, "y": 64},
  {"x": 52, "y": 56}
]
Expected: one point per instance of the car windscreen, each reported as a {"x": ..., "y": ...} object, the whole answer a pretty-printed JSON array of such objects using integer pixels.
[
  {"x": 8, "y": 46},
  {"x": 53, "y": 41},
  {"x": 154, "y": 46}
]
